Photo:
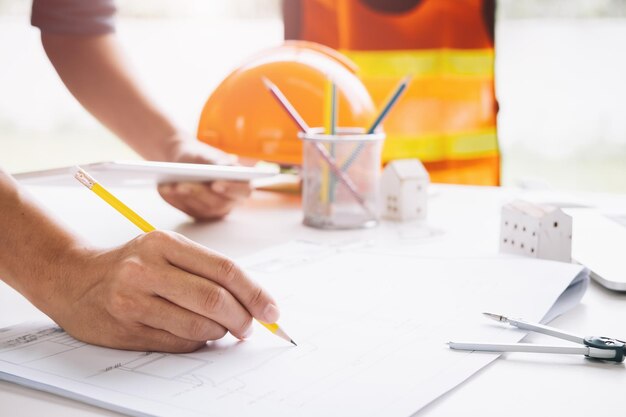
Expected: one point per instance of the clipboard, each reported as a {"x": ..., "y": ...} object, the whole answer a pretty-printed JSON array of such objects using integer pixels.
[{"x": 142, "y": 173}]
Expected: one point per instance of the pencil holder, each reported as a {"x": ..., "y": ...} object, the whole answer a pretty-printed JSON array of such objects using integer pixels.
[{"x": 341, "y": 178}]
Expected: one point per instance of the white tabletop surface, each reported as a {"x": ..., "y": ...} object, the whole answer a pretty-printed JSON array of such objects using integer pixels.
[{"x": 514, "y": 385}]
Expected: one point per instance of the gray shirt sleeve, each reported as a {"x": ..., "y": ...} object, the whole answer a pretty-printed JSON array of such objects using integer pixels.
[{"x": 74, "y": 17}]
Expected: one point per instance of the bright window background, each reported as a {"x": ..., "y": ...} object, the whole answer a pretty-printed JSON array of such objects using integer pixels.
[{"x": 559, "y": 72}]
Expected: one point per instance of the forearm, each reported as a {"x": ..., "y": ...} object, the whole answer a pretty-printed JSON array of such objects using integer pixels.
[
  {"x": 158, "y": 292},
  {"x": 96, "y": 72},
  {"x": 35, "y": 251}
]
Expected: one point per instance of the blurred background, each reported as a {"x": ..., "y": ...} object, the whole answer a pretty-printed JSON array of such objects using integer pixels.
[{"x": 559, "y": 80}]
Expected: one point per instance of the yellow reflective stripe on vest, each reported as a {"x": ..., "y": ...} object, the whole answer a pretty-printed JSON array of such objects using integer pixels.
[
  {"x": 454, "y": 62},
  {"x": 440, "y": 147}
]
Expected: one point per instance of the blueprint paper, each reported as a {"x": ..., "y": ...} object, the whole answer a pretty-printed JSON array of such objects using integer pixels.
[{"x": 371, "y": 330}]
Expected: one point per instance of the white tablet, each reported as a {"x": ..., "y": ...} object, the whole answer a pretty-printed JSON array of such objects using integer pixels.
[{"x": 140, "y": 173}]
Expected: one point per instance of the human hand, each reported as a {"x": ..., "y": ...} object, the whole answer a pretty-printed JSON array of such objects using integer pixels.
[
  {"x": 203, "y": 201},
  {"x": 159, "y": 292}
]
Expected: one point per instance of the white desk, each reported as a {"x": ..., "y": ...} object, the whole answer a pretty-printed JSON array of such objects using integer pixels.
[{"x": 515, "y": 385}]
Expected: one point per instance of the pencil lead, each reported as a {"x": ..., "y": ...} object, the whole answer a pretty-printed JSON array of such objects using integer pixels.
[
  {"x": 268, "y": 84},
  {"x": 294, "y": 343}
]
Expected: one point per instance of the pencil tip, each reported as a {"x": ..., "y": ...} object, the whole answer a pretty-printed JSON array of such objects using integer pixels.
[
  {"x": 294, "y": 343},
  {"x": 267, "y": 82}
]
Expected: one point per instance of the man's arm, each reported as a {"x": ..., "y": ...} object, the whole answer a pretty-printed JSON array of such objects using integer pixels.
[
  {"x": 32, "y": 246},
  {"x": 95, "y": 70},
  {"x": 158, "y": 292},
  {"x": 97, "y": 73}
]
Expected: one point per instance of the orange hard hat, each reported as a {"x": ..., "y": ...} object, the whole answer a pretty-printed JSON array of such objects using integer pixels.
[{"x": 243, "y": 118}]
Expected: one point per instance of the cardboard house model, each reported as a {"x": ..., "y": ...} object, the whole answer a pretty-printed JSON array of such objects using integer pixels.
[
  {"x": 404, "y": 190},
  {"x": 534, "y": 230}
]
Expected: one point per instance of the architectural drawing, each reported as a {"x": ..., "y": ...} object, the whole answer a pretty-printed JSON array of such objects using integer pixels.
[{"x": 383, "y": 352}]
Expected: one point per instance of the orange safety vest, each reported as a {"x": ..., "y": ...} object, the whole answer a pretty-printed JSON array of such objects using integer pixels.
[{"x": 447, "y": 116}]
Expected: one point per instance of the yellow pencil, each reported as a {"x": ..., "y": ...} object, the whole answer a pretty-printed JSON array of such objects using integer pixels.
[
  {"x": 328, "y": 129},
  {"x": 89, "y": 182}
]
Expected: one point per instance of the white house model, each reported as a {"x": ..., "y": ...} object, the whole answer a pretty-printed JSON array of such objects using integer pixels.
[
  {"x": 404, "y": 190},
  {"x": 535, "y": 230}
]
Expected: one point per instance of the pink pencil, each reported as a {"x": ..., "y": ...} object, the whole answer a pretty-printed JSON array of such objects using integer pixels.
[{"x": 332, "y": 164}]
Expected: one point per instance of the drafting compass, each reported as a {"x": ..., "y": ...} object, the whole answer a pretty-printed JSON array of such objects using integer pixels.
[{"x": 604, "y": 348}]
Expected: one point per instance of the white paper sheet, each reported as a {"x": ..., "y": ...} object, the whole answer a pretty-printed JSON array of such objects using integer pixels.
[{"x": 371, "y": 331}]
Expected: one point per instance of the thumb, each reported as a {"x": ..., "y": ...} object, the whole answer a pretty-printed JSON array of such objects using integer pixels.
[{"x": 205, "y": 154}]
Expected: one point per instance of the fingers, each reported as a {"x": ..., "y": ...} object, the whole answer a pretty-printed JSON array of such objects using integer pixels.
[
  {"x": 206, "y": 197},
  {"x": 208, "y": 192},
  {"x": 166, "y": 192},
  {"x": 202, "y": 212},
  {"x": 201, "y": 201},
  {"x": 206, "y": 304},
  {"x": 196, "y": 152},
  {"x": 181, "y": 322},
  {"x": 234, "y": 190},
  {"x": 156, "y": 340},
  {"x": 200, "y": 261}
]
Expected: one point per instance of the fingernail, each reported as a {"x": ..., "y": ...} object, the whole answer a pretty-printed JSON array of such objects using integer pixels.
[
  {"x": 183, "y": 189},
  {"x": 248, "y": 332},
  {"x": 271, "y": 314},
  {"x": 218, "y": 187}
]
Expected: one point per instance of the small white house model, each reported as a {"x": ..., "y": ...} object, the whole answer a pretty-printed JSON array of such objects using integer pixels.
[
  {"x": 535, "y": 230},
  {"x": 404, "y": 190}
]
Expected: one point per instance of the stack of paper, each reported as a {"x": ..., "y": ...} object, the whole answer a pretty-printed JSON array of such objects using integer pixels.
[{"x": 371, "y": 331}]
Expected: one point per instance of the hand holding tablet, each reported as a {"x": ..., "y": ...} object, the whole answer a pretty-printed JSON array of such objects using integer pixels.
[
  {"x": 203, "y": 191},
  {"x": 141, "y": 173}
]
